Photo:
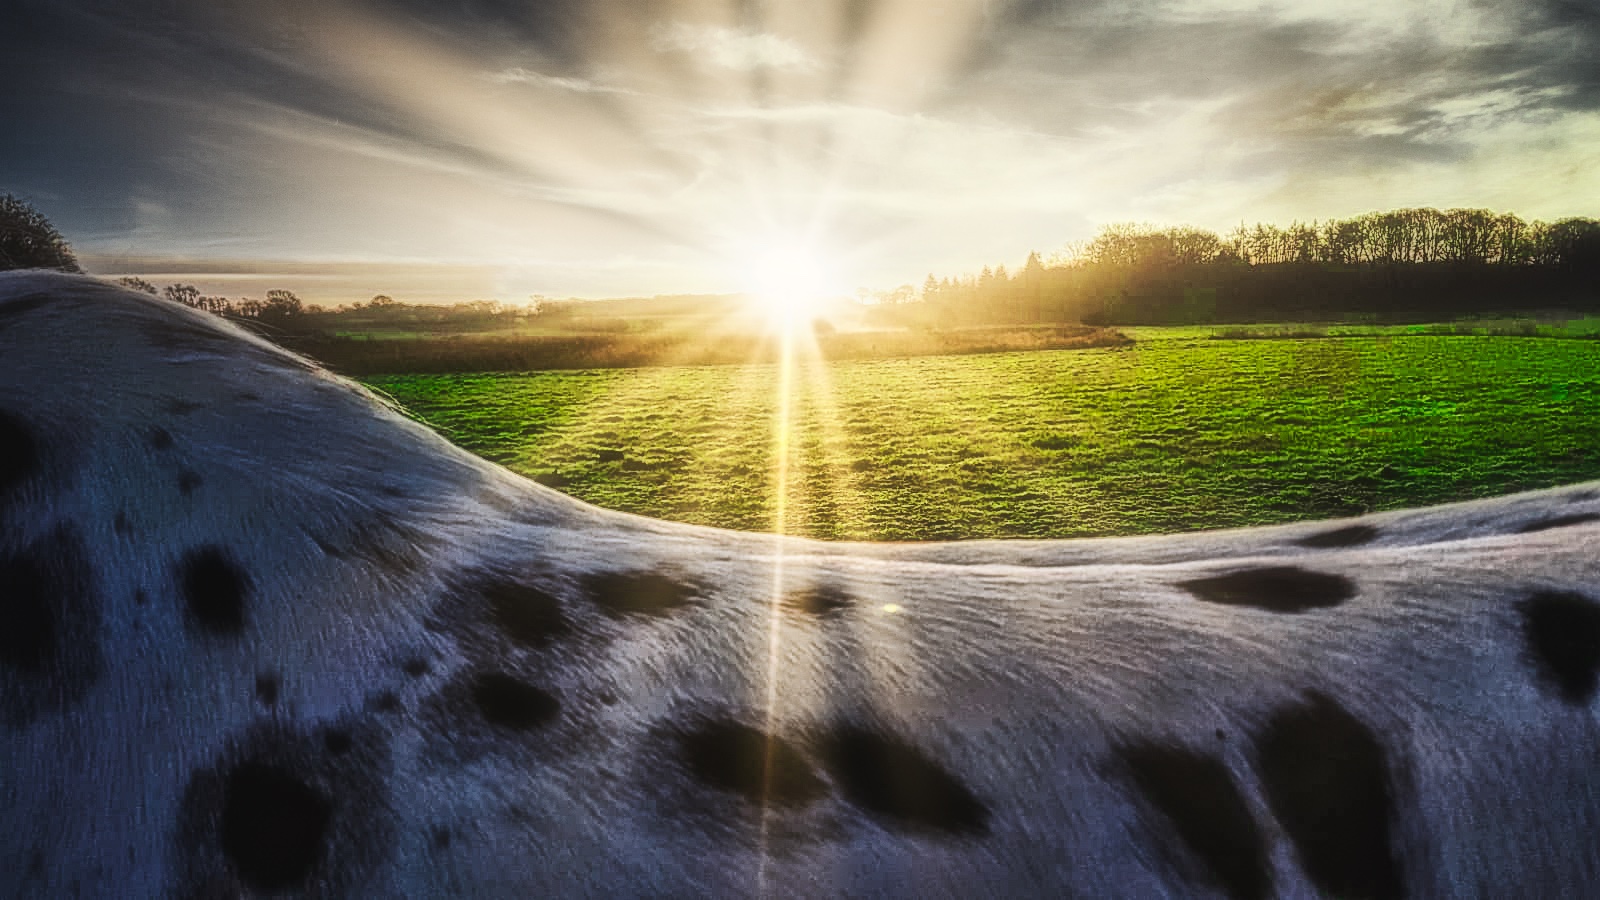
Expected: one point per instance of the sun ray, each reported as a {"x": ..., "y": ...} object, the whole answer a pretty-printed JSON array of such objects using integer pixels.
[{"x": 782, "y": 431}]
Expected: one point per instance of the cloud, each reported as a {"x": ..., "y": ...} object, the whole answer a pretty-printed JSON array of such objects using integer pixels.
[
  {"x": 1338, "y": 85},
  {"x": 739, "y": 50},
  {"x": 519, "y": 75}
]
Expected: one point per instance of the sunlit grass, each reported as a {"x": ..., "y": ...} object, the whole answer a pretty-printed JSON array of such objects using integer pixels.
[{"x": 1168, "y": 435}]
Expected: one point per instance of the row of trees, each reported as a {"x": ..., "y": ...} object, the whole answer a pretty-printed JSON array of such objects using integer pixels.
[
  {"x": 1402, "y": 236},
  {"x": 288, "y": 314},
  {"x": 278, "y": 305},
  {"x": 1409, "y": 263}
]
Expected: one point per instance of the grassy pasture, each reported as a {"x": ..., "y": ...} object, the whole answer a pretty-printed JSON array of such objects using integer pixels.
[
  {"x": 1179, "y": 431},
  {"x": 1587, "y": 327}
]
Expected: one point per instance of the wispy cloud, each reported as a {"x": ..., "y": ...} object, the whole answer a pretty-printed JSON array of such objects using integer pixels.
[
  {"x": 735, "y": 49},
  {"x": 519, "y": 75}
]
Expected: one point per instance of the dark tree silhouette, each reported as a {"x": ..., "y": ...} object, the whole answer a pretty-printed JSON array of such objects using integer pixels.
[
  {"x": 138, "y": 284},
  {"x": 29, "y": 241},
  {"x": 281, "y": 304},
  {"x": 187, "y": 294},
  {"x": 1575, "y": 245},
  {"x": 1404, "y": 264}
]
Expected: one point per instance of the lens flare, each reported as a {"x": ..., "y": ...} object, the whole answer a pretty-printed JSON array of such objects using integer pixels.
[{"x": 792, "y": 280}]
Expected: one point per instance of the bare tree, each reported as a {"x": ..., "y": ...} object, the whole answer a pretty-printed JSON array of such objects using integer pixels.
[
  {"x": 218, "y": 305},
  {"x": 187, "y": 294}
]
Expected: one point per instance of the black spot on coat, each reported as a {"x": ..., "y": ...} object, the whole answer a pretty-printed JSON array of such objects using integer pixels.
[
  {"x": 30, "y": 601},
  {"x": 189, "y": 481},
  {"x": 1327, "y": 782},
  {"x": 50, "y": 613},
  {"x": 1198, "y": 796},
  {"x": 898, "y": 784},
  {"x": 1348, "y": 536},
  {"x": 267, "y": 685},
  {"x": 763, "y": 769},
  {"x": 337, "y": 741},
  {"x": 287, "y": 812},
  {"x": 274, "y": 826},
  {"x": 621, "y": 594},
  {"x": 385, "y": 702},
  {"x": 1558, "y": 522},
  {"x": 1562, "y": 630},
  {"x": 1282, "y": 589},
  {"x": 159, "y": 438},
  {"x": 509, "y": 702},
  {"x": 824, "y": 601},
  {"x": 19, "y": 455},
  {"x": 526, "y": 614},
  {"x": 215, "y": 590}
]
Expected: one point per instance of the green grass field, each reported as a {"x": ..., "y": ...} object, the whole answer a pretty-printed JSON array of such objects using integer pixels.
[{"x": 1180, "y": 431}]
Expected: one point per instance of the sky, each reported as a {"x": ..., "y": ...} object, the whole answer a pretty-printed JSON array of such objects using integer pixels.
[{"x": 436, "y": 150}]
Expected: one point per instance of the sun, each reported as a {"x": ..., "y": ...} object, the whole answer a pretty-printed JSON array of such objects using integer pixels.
[{"x": 791, "y": 279}]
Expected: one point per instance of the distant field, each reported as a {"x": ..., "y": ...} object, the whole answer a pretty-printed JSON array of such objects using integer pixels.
[
  {"x": 1586, "y": 327},
  {"x": 418, "y": 352},
  {"x": 1180, "y": 431}
]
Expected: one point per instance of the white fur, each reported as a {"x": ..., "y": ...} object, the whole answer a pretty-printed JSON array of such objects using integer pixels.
[{"x": 1020, "y": 667}]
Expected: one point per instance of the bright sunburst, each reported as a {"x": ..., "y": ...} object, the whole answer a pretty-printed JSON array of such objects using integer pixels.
[{"x": 792, "y": 279}]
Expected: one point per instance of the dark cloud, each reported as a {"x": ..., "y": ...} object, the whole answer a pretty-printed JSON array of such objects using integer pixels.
[
  {"x": 554, "y": 29},
  {"x": 1566, "y": 49},
  {"x": 1301, "y": 90}
]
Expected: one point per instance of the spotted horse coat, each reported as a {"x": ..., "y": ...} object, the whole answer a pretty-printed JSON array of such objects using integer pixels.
[{"x": 263, "y": 636}]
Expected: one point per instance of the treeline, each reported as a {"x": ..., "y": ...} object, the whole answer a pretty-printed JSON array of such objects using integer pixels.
[
  {"x": 278, "y": 304},
  {"x": 287, "y": 312},
  {"x": 1409, "y": 264}
]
